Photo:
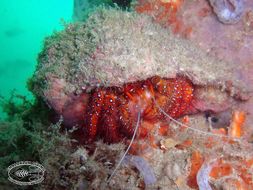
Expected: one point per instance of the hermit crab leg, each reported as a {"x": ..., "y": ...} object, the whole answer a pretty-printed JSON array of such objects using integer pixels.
[
  {"x": 110, "y": 121},
  {"x": 129, "y": 146},
  {"x": 93, "y": 114}
]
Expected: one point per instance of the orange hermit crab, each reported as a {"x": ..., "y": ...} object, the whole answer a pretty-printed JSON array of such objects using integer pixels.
[{"x": 112, "y": 111}]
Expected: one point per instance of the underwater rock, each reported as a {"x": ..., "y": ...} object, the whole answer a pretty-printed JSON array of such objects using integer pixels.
[
  {"x": 142, "y": 165},
  {"x": 231, "y": 43},
  {"x": 115, "y": 47},
  {"x": 228, "y": 11},
  {"x": 196, "y": 21}
]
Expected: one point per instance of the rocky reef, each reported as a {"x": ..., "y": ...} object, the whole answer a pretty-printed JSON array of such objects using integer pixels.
[
  {"x": 210, "y": 149},
  {"x": 114, "y": 47}
]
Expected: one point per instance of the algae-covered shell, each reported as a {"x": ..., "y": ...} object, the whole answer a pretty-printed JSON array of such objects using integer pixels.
[{"x": 114, "y": 47}]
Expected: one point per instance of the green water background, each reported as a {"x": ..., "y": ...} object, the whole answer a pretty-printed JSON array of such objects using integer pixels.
[{"x": 23, "y": 27}]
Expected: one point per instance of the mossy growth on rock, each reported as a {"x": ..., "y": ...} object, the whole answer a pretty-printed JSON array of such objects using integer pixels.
[
  {"x": 27, "y": 135},
  {"x": 113, "y": 47}
]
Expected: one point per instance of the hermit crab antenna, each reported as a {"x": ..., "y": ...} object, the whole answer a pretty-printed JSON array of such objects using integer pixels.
[
  {"x": 188, "y": 127},
  {"x": 129, "y": 146}
]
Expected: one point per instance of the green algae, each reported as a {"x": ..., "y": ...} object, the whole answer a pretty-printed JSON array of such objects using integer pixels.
[{"x": 27, "y": 134}]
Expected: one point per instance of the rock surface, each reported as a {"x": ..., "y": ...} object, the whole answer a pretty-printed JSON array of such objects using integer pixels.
[{"x": 114, "y": 47}]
